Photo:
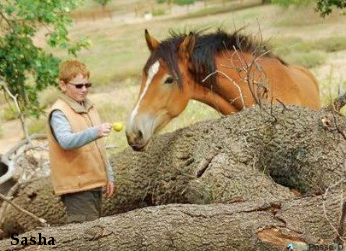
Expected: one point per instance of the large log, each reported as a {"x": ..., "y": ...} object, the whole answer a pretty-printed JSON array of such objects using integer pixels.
[
  {"x": 255, "y": 155},
  {"x": 238, "y": 226}
]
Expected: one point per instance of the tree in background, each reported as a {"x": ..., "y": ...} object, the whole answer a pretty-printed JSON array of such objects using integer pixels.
[
  {"x": 325, "y": 7},
  {"x": 25, "y": 68}
]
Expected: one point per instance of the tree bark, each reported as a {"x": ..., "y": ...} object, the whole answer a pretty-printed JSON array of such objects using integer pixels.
[
  {"x": 256, "y": 155},
  {"x": 237, "y": 226}
]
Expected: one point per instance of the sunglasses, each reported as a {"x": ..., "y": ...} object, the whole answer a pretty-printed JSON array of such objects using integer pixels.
[{"x": 80, "y": 86}]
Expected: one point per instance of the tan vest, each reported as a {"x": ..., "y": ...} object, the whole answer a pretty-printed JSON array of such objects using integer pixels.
[{"x": 78, "y": 169}]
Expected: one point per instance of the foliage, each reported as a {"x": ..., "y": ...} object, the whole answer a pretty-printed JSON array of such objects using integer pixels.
[
  {"x": 24, "y": 66},
  {"x": 103, "y": 3},
  {"x": 325, "y": 6},
  {"x": 184, "y": 2}
]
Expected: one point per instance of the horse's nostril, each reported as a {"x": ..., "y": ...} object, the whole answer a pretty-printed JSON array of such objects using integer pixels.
[{"x": 140, "y": 134}]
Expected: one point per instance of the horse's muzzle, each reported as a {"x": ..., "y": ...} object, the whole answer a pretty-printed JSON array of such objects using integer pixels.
[{"x": 136, "y": 140}]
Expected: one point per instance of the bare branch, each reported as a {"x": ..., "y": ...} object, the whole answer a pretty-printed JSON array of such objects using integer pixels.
[
  {"x": 9, "y": 195},
  {"x": 42, "y": 221},
  {"x": 338, "y": 230},
  {"x": 337, "y": 126},
  {"x": 337, "y": 104},
  {"x": 19, "y": 110},
  {"x": 341, "y": 229},
  {"x": 10, "y": 158},
  {"x": 231, "y": 80},
  {"x": 6, "y": 19}
]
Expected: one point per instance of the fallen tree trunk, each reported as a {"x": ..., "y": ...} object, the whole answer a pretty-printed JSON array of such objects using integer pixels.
[
  {"x": 238, "y": 226},
  {"x": 255, "y": 155}
]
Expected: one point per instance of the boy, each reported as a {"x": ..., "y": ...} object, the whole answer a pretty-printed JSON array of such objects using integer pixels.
[{"x": 79, "y": 165}]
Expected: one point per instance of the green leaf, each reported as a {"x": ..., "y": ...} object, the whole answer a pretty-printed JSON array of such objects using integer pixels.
[
  {"x": 25, "y": 68},
  {"x": 9, "y": 10}
]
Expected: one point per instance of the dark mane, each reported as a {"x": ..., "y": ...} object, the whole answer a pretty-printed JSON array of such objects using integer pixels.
[{"x": 202, "y": 58}]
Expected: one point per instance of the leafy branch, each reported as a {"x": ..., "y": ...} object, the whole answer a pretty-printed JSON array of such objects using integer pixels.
[{"x": 25, "y": 67}]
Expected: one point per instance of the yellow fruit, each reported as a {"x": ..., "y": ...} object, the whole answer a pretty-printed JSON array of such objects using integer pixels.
[{"x": 117, "y": 126}]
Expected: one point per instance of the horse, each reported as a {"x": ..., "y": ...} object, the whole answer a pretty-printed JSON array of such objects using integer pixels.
[{"x": 228, "y": 72}]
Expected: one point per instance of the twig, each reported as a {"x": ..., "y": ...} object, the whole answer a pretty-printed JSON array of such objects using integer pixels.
[
  {"x": 4, "y": 206},
  {"x": 22, "y": 146},
  {"x": 332, "y": 226},
  {"x": 6, "y": 19},
  {"x": 332, "y": 186},
  {"x": 337, "y": 104},
  {"x": 10, "y": 193},
  {"x": 35, "y": 136},
  {"x": 340, "y": 229},
  {"x": 260, "y": 85},
  {"x": 42, "y": 221},
  {"x": 18, "y": 150},
  {"x": 338, "y": 128},
  {"x": 232, "y": 81},
  {"x": 250, "y": 79},
  {"x": 19, "y": 110}
]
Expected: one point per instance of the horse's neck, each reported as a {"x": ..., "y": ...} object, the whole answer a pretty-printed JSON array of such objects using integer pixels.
[
  {"x": 268, "y": 80},
  {"x": 213, "y": 99},
  {"x": 229, "y": 94}
]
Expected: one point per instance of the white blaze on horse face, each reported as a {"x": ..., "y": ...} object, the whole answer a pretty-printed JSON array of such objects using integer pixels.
[{"x": 153, "y": 70}]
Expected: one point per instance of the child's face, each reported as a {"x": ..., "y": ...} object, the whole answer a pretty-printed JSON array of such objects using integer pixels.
[{"x": 71, "y": 88}]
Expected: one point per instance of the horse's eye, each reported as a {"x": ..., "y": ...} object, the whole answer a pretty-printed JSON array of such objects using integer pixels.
[{"x": 169, "y": 80}]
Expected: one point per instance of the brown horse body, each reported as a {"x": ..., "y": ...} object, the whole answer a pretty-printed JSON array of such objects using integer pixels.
[
  {"x": 227, "y": 72},
  {"x": 287, "y": 84}
]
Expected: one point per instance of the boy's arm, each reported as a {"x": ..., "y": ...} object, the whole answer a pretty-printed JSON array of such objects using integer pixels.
[
  {"x": 62, "y": 131},
  {"x": 110, "y": 173}
]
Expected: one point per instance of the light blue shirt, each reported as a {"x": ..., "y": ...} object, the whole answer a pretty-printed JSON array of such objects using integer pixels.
[{"x": 68, "y": 140}]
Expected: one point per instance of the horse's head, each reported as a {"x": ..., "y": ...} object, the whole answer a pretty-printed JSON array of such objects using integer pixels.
[{"x": 164, "y": 92}]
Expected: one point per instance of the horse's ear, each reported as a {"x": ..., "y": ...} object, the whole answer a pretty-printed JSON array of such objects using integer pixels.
[
  {"x": 151, "y": 42},
  {"x": 187, "y": 46}
]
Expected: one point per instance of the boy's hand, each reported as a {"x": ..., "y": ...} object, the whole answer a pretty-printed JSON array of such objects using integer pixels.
[
  {"x": 104, "y": 129},
  {"x": 110, "y": 189}
]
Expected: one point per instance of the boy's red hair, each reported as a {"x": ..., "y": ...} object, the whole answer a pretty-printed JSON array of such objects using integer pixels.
[{"x": 70, "y": 69}]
